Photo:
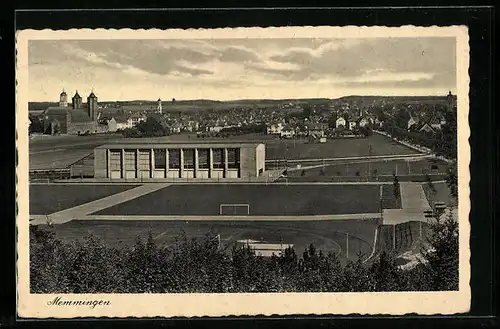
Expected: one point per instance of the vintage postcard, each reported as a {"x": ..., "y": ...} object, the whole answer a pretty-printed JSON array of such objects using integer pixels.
[{"x": 245, "y": 171}]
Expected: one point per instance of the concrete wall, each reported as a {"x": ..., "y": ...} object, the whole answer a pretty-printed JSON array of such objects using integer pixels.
[
  {"x": 261, "y": 157},
  {"x": 100, "y": 163},
  {"x": 248, "y": 157}
]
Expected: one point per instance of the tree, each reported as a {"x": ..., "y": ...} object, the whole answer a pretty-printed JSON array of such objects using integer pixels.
[
  {"x": 441, "y": 254},
  {"x": 401, "y": 118},
  {"x": 385, "y": 273},
  {"x": 452, "y": 180},
  {"x": 307, "y": 111},
  {"x": 151, "y": 128},
  {"x": 366, "y": 131},
  {"x": 396, "y": 188},
  {"x": 332, "y": 121}
]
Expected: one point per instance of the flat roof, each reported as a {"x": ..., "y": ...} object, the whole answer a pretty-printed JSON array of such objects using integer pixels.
[{"x": 148, "y": 144}]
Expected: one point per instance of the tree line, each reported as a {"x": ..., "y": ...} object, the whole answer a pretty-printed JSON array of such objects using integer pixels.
[
  {"x": 200, "y": 265},
  {"x": 442, "y": 142}
]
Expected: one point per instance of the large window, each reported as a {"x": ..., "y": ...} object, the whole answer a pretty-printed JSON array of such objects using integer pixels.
[
  {"x": 203, "y": 159},
  {"x": 130, "y": 160},
  {"x": 218, "y": 158},
  {"x": 144, "y": 160},
  {"x": 115, "y": 160},
  {"x": 189, "y": 158},
  {"x": 174, "y": 159},
  {"x": 160, "y": 158},
  {"x": 233, "y": 158}
]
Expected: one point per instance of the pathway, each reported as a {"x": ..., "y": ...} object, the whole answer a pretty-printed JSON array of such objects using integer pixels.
[
  {"x": 413, "y": 202},
  {"x": 83, "y": 210}
]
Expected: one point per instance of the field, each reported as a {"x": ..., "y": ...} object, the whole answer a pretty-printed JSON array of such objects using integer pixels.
[
  {"x": 329, "y": 236},
  {"x": 270, "y": 200},
  {"x": 334, "y": 148},
  {"x": 56, "y": 152},
  {"x": 440, "y": 193},
  {"x": 375, "y": 168},
  {"x": 47, "y": 199}
]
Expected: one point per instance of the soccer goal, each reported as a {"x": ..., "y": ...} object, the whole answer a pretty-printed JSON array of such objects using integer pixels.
[{"x": 234, "y": 209}]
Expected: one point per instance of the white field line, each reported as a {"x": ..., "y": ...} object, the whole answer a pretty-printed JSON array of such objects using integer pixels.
[
  {"x": 374, "y": 246},
  {"x": 363, "y": 216},
  {"x": 392, "y": 156}
]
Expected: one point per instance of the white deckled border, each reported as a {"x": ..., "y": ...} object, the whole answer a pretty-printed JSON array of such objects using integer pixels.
[{"x": 189, "y": 305}]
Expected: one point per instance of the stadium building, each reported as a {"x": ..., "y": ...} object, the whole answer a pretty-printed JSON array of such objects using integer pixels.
[{"x": 175, "y": 160}]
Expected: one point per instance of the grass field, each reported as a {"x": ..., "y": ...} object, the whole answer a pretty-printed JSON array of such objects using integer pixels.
[
  {"x": 272, "y": 200},
  {"x": 47, "y": 199},
  {"x": 335, "y": 148},
  {"x": 375, "y": 168},
  {"x": 49, "y": 152},
  {"x": 441, "y": 193},
  {"x": 329, "y": 236}
]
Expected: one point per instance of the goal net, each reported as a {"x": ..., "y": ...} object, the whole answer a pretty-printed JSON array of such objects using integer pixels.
[{"x": 234, "y": 209}]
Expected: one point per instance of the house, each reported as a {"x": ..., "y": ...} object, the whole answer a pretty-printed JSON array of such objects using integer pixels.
[
  {"x": 119, "y": 123},
  {"x": 136, "y": 118},
  {"x": 411, "y": 122},
  {"x": 426, "y": 127},
  {"x": 287, "y": 132},
  {"x": 275, "y": 129},
  {"x": 377, "y": 122},
  {"x": 353, "y": 122},
  {"x": 317, "y": 130},
  {"x": 176, "y": 128},
  {"x": 363, "y": 122},
  {"x": 435, "y": 123},
  {"x": 340, "y": 122}
]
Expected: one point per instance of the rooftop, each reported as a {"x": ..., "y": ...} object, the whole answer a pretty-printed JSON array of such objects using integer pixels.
[{"x": 133, "y": 143}]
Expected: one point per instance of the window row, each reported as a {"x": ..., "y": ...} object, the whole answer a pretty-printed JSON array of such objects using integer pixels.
[{"x": 174, "y": 159}]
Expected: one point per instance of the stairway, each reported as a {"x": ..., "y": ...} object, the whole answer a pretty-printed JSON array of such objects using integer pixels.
[{"x": 84, "y": 167}]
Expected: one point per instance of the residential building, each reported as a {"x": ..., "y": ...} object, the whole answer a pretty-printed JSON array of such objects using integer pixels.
[
  {"x": 340, "y": 122},
  {"x": 412, "y": 121},
  {"x": 275, "y": 128}
]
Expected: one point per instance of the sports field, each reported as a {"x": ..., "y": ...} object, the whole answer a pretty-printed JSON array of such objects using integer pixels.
[
  {"x": 439, "y": 192},
  {"x": 375, "y": 168},
  {"x": 56, "y": 152},
  {"x": 270, "y": 200},
  {"x": 49, "y": 198},
  {"x": 334, "y": 148},
  {"x": 329, "y": 236}
]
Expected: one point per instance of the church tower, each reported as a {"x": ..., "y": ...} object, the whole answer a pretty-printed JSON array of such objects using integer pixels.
[
  {"x": 159, "y": 106},
  {"x": 450, "y": 102},
  {"x": 92, "y": 106},
  {"x": 63, "y": 99},
  {"x": 77, "y": 101}
]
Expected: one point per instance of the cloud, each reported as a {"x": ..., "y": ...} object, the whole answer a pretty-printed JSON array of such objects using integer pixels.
[{"x": 227, "y": 65}]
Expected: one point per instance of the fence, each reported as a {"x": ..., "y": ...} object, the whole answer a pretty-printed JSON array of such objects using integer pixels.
[{"x": 49, "y": 174}]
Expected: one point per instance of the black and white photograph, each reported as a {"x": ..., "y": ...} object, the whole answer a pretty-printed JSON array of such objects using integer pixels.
[{"x": 254, "y": 171}]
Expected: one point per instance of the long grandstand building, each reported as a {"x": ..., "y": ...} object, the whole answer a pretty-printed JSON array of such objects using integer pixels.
[{"x": 179, "y": 160}]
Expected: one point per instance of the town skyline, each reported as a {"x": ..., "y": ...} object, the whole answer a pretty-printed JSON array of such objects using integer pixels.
[
  {"x": 242, "y": 69},
  {"x": 70, "y": 94}
]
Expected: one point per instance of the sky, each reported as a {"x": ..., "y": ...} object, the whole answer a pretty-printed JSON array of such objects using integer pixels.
[{"x": 229, "y": 69}]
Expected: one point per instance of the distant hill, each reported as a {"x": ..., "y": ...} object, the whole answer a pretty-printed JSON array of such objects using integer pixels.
[
  {"x": 392, "y": 99},
  {"x": 39, "y": 106},
  {"x": 197, "y": 104}
]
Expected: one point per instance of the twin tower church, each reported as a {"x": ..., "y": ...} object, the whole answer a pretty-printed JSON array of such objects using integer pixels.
[{"x": 75, "y": 119}]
